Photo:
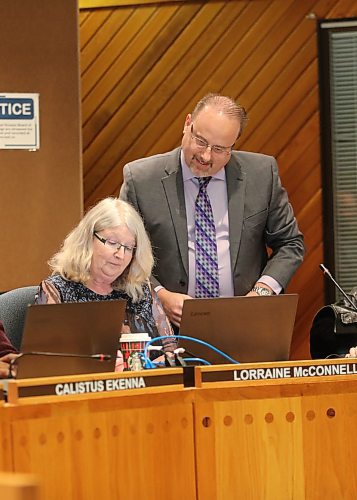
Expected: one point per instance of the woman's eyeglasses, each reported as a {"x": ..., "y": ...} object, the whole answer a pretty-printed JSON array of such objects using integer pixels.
[{"x": 114, "y": 245}]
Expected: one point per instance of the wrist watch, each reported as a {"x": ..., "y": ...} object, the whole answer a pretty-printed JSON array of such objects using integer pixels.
[{"x": 261, "y": 290}]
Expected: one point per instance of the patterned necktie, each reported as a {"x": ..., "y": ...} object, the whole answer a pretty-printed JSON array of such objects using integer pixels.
[{"x": 207, "y": 283}]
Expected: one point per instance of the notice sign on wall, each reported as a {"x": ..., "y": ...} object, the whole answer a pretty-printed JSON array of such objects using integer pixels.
[{"x": 19, "y": 121}]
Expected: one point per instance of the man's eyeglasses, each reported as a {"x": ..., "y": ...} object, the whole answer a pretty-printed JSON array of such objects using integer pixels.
[
  {"x": 203, "y": 144},
  {"x": 114, "y": 245}
]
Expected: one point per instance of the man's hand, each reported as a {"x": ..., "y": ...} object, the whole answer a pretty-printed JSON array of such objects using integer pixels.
[
  {"x": 172, "y": 303},
  {"x": 5, "y": 364}
]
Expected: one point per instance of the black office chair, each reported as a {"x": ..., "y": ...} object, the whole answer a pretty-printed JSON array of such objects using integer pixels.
[
  {"x": 334, "y": 329},
  {"x": 13, "y": 305}
]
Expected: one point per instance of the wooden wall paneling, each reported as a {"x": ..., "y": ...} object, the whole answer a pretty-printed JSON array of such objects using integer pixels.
[
  {"x": 308, "y": 301},
  {"x": 343, "y": 9},
  {"x": 283, "y": 82},
  {"x": 273, "y": 60},
  {"x": 246, "y": 58},
  {"x": 114, "y": 63},
  {"x": 312, "y": 206},
  {"x": 312, "y": 262},
  {"x": 312, "y": 237},
  {"x": 90, "y": 23},
  {"x": 147, "y": 86},
  {"x": 204, "y": 57},
  {"x": 288, "y": 61},
  {"x": 301, "y": 167},
  {"x": 100, "y": 37},
  {"x": 281, "y": 111},
  {"x": 83, "y": 15},
  {"x": 85, "y": 4},
  {"x": 310, "y": 212},
  {"x": 325, "y": 9},
  {"x": 159, "y": 30},
  {"x": 262, "y": 109},
  {"x": 301, "y": 111},
  {"x": 150, "y": 122},
  {"x": 206, "y": 28},
  {"x": 256, "y": 48},
  {"x": 200, "y": 80},
  {"x": 129, "y": 120},
  {"x": 307, "y": 188},
  {"x": 292, "y": 153}
]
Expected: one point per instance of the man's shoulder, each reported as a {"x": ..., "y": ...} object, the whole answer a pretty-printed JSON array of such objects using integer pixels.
[
  {"x": 156, "y": 162},
  {"x": 253, "y": 164},
  {"x": 247, "y": 157}
]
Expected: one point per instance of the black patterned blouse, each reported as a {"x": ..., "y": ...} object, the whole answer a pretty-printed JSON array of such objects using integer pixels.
[{"x": 146, "y": 315}]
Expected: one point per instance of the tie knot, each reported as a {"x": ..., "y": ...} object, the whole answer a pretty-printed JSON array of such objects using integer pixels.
[{"x": 203, "y": 181}]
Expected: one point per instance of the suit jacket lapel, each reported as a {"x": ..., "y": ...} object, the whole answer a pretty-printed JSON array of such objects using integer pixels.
[
  {"x": 174, "y": 191},
  {"x": 236, "y": 182}
]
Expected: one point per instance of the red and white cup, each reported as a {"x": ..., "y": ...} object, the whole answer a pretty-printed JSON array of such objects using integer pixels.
[{"x": 132, "y": 347}]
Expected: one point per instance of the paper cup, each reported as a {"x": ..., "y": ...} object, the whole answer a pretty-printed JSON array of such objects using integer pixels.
[{"x": 132, "y": 346}]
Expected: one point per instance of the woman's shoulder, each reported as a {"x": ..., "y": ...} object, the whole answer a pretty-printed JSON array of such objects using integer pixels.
[
  {"x": 57, "y": 279},
  {"x": 70, "y": 291},
  {"x": 62, "y": 283}
]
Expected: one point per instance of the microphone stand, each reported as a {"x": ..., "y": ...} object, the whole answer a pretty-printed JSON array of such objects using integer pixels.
[{"x": 329, "y": 275}]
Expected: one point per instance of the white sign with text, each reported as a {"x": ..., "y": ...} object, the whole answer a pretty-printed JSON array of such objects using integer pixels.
[{"x": 19, "y": 121}]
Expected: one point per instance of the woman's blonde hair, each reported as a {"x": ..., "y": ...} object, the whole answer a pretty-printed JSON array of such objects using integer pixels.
[{"x": 74, "y": 259}]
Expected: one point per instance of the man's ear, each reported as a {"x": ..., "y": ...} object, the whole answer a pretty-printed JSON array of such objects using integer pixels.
[{"x": 188, "y": 122}]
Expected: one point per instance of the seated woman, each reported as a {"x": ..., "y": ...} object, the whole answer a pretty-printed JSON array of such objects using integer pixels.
[
  {"x": 108, "y": 256},
  {"x": 7, "y": 352}
]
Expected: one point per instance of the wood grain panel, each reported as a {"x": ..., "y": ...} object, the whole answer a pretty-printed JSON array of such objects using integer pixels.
[
  {"x": 145, "y": 65},
  {"x": 40, "y": 191},
  {"x": 264, "y": 441}
]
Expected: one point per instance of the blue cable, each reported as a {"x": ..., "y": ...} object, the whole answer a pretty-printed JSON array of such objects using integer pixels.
[
  {"x": 150, "y": 364},
  {"x": 199, "y": 360}
]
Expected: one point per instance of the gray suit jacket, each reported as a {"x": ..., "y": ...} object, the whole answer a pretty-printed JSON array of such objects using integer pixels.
[{"x": 260, "y": 216}]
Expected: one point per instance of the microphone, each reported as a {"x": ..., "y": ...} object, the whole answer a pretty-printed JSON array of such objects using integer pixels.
[
  {"x": 14, "y": 362},
  {"x": 100, "y": 357},
  {"x": 329, "y": 275}
]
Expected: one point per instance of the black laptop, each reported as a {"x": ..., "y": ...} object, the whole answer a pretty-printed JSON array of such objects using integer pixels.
[
  {"x": 248, "y": 329},
  {"x": 71, "y": 338}
]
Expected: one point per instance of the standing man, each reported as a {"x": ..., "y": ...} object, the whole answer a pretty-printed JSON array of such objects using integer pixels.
[{"x": 212, "y": 212}]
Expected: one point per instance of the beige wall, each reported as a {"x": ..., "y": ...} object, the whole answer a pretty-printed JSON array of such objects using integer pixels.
[{"x": 40, "y": 192}]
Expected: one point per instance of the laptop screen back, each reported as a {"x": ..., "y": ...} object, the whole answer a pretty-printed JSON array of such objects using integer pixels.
[
  {"x": 79, "y": 329},
  {"x": 248, "y": 329}
]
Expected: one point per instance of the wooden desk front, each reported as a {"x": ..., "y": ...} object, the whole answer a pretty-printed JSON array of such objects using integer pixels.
[
  {"x": 290, "y": 438},
  {"x": 229, "y": 437},
  {"x": 111, "y": 445}
]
